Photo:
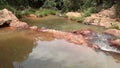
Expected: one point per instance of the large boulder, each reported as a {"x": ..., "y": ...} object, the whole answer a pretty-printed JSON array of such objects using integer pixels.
[
  {"x": 9, "y": 18},
  {"x": 6, "y": 15},
  {"x": 114, "y": 32}
]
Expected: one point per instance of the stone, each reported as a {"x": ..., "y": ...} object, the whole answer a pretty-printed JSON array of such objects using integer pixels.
[
  {"x": 77, "y": 39},
  {"x": 114, "y": 32},
  {"x": 8, "y": 17},
  {"x": 33, "y": 28},
  {"x": 19, "y": 25},
  {"x": 115, "y": 43},
  {"x": 73, "y": 14},
  {"x": 104, "y": 18},
  {"x": 32, "y": 15}
]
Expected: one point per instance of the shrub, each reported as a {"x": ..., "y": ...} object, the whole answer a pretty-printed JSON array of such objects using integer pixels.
[
  {"x": 88, "y": 11},
  {"x": 80, "y": 19},
  {"x": 115, "y": 26},
  {"x": 44, "y": 12}
]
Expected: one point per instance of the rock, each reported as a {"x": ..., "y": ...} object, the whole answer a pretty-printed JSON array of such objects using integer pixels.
[
  {"x": 32, "y": 15},
  {"x": 104, "y": 18},
  {"x": 33, "y": 28},
  {"x": 8, "y": 17},
  {"x": 73, "y": 14},
  {"x": 77, "y": 39},
  {"x": 84, "y": 33},
  {"x": 19, "y": 25},
  {"x": 115, "y": 43},
  {"x": 113, "y": 32}
]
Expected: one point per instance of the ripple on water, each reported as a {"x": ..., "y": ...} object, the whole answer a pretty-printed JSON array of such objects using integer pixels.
[{"x": 61, "y": 54}]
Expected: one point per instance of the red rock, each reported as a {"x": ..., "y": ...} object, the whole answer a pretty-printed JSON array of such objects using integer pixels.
[
  {"x": 113, "y": 32},
  {"x": 115, "y": 43}
]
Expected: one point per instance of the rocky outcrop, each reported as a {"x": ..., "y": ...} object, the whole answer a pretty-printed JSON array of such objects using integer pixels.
[
  {"x": 9, "y": 18},
  {"x": 73, "y": 14},
  {"x": 115, "y": 43},
  {"x": 113, "y": 32},
  {"x": 77, "y": 39},
  {"x": 104, "y": 18}
]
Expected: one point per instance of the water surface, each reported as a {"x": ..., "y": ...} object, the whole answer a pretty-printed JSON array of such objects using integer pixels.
[
  {"x": 50, "y": 54},
  {"x": 60, "y": 23}
]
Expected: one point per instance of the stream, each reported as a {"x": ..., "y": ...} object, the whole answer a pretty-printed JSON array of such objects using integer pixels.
[{"x": 19, "y": 50}]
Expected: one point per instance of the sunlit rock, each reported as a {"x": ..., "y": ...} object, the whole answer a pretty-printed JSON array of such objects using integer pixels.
[
  {"x": 104, "y": 18},
  {"x": 9, "y": 18},
  {"x": 73, "y": 14},
  {"x": 113, "y": 32}
]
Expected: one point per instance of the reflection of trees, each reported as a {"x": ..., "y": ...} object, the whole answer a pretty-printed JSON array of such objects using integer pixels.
[{"x": 14, "y": 48}]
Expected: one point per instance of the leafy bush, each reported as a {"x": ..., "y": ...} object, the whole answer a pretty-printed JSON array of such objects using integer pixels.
[
  {"x": 90, "y": 10},
  {"x": 115, "y": 26},
  {"x": 117, "y": 12},
  {"x": 80, "y": 19},
  {"x": 44, "y": 12}
]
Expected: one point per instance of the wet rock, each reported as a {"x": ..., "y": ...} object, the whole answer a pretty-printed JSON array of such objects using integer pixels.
[
  {"x": 115, "y": 43},
  {"x": 84, "y": 33},
  {"x": 77, "y": 39},
  {"x": 104, "y": 18},
  {"x": 113, "y": 32},
  {"x": 73, "y": 14}
]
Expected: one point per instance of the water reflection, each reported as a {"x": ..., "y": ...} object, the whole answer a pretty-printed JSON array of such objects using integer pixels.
[
  {"x": 14, "y": 46},
  {"x": 61, "y": 54}
]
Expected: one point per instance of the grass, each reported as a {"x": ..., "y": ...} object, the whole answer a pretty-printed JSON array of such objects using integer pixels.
[{"x": 45, "y": 12}]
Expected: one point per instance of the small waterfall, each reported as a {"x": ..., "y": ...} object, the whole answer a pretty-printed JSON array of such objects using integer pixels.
[{"x": 101, "y": 40}]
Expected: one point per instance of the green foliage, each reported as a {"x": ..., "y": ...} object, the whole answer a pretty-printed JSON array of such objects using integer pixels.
[
  {"x": 107, "y": 3},
  {"x": 49, "y": 4},
  {"x": 115, "y": 26},
  {"x": 80, "y": 19},
  {"x": 117, "y": 12},
  {"x": 90, "y": 10},
  {"x": 44, "y": 12}
]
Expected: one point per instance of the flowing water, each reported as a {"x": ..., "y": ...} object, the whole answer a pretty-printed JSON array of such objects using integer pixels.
[{"x": 18, "y": 50}]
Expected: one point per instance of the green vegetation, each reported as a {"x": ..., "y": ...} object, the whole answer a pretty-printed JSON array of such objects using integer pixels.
[
  {"x": 44, "y": 12},
  {"x": 115, "y": 26},
  {"x": 46, "y": 7}
]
